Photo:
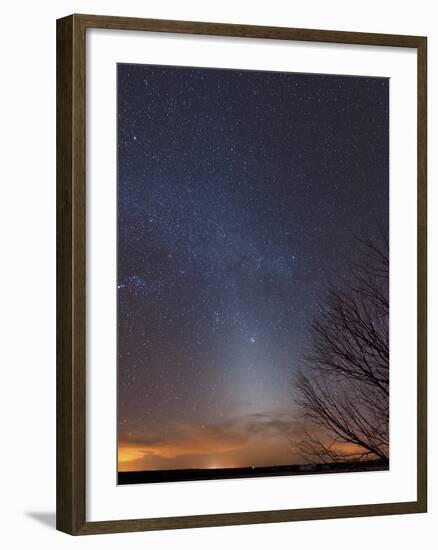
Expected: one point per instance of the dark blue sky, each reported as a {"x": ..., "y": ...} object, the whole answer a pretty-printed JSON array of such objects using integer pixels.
[{"x": 239, "y": 196}]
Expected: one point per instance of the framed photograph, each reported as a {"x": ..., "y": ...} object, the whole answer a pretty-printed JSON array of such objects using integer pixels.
[{"x": 241, "y": 288}]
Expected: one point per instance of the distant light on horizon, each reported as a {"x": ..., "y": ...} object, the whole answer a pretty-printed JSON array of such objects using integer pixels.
[{"x": 238, "y": 197}]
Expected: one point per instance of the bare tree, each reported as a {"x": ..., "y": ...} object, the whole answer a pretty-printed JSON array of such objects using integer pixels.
[{"x": 343, "y": 387}]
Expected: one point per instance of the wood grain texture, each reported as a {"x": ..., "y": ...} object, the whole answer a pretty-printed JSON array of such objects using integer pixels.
[
  {"x": 248, "y": 31},
  {"x": 64, "y": 272},
  {"x": 70, "y": 418},
  {"x": 71, "y": 269},
  {"x": 247, "y": 518},
  {"x": 422, "y": 275}
]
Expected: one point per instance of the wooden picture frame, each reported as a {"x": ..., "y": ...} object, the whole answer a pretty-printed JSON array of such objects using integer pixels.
[{"x": 71, "y": 271}]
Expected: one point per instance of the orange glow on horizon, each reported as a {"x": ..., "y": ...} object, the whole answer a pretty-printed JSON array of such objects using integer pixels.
[{"x": 215, "y": 446}]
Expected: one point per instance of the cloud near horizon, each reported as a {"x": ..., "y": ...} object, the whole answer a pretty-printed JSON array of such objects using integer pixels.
[{"x": 233, "y": 443}]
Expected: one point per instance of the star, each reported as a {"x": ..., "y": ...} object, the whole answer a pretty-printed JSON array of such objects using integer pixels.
[{"x": 236, "y": 175}]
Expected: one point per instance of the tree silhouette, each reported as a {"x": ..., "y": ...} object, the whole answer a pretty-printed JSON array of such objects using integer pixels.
[{"x": 343, "y": 386}]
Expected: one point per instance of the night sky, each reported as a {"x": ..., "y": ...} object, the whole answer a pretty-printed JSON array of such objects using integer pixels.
[{"x": 240, "y": 194}]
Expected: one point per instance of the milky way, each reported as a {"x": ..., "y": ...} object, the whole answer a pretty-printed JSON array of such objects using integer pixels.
[{"x": 239, "y": 195}]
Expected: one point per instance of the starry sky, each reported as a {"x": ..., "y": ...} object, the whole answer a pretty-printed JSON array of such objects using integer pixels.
[{"x": 240, "y": 194}]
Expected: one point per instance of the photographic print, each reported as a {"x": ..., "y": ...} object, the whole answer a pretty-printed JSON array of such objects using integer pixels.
[{"x": 253, "y": 273}]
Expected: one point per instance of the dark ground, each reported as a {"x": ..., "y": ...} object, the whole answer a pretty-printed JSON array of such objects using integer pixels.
[{"x": 126, "y": 478}]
